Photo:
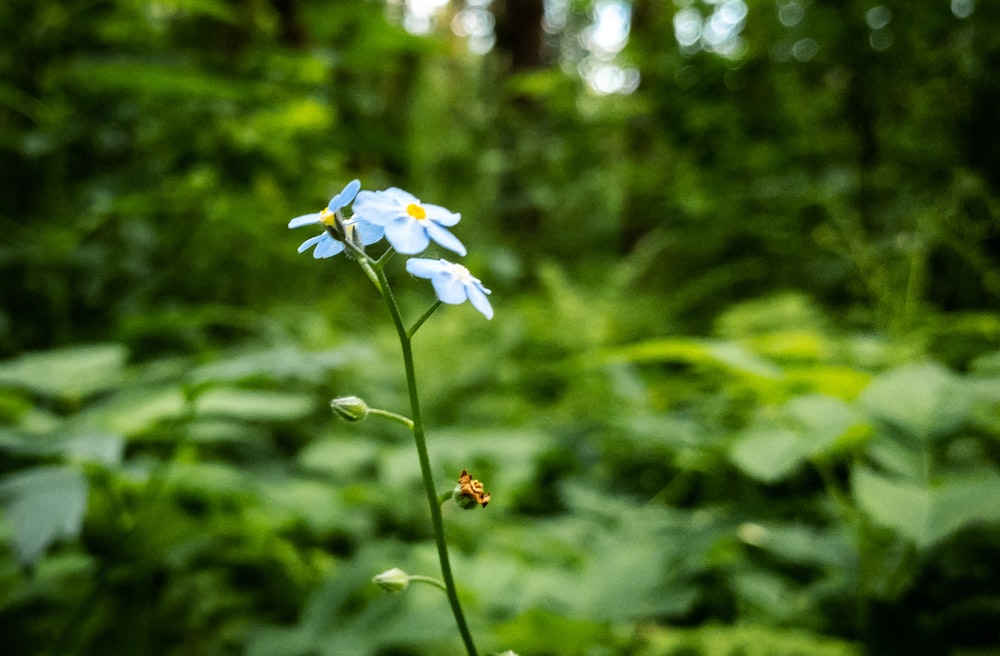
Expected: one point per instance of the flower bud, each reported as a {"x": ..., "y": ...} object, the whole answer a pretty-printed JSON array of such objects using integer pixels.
[
  {"x": 350, "y": 408},
  {"x": 469, "y": 492},
  {"x": 392, "y": 580}
]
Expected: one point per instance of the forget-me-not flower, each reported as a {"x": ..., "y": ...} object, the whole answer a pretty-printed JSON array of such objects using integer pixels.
[
  {"x": 409, "y": 225},
  {"x": 452, "y": 283},
  {"x": 336, "y": 229}
]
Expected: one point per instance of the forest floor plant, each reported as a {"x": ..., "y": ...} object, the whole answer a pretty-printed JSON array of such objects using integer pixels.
[{"x": 409, "y": 226}]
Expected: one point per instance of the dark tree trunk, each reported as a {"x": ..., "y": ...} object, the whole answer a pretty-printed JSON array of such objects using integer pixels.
[{"x": 519, "y": 33}]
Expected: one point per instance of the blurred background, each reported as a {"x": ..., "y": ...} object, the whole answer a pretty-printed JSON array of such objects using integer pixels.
[{"x": 741, "y": 394}]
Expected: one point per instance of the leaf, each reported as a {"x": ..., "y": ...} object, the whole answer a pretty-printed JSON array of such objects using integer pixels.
[
  {"x": 802, "y": 544},
  {"x": 82, "y": 445},
  {"x": 768, "y": 455},
  {"x": 769, "y": 595},
  {"x": 342, "y": 458},
  {"x": 737, "y": 358},
  {"x": 927, "y": 515},
  {"x": 538, "y": 629},
  {"x": 958, "y": 503},
  {"x": 821, "y": 420},
  {"x": 42, "y": 505},
  {"x": 728, "y": 355},
  {"x": 278, "y": 364},
  {"x": 133, "y": 412},
  {"x": 777, "y": 443},
  {"x": 315, "y": 504},
  {"x": 901, "y": 506},
  {"x": 94, "y": 446},
  {"x": 73, "y": 372},
  {"x": 255, "y": 405},
  {"x": 157, "y": 80},
  {"x": 836, "y": 380},
  {"x": 925, "y": 400},
  {"x": 902, "y": 457},
  {"x": 744, "y": 639}
]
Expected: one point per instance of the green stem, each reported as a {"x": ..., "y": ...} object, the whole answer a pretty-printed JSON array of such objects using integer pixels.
[
  {"x": 377, "y": 279},
  {"x": 425, "y": 462},
  {"x": 427, "y": 579},
  {"x": 419, "y": 322},
  {"x": 406, "y": 421}
]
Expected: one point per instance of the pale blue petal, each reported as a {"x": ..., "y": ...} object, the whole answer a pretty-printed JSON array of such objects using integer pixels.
[
  {"x": 449, "y": 288},
  {"x": 345, "y": 196},
  {"x": 423, "y": 267},
  {"x": 377, "y": 208},
  {"x": 328, "y": 247},
  {"x": 370, "y": 233},
  {"x": 444, "y": 237},
  {"x": 305, "y": 219},
  {"x": 479, "y": 300},
  {"x": 312, "y": 241},
  {"x": 407, "y": 236},
  {"x": 440, "y": 215},
  {"x": 404, "y": 198}
]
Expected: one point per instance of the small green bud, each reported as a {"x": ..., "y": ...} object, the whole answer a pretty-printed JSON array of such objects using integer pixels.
[
  {"x": 392, "y": 580},
  {"x": 350, "y": 408}
]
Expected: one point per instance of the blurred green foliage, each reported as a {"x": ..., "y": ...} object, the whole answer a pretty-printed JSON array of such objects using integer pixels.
[{"x": 742, "y": 393}]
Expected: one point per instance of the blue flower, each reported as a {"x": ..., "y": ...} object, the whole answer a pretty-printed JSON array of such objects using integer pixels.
[
  {"x": 329, "y": 243},
  {"x": 452, "y": 283},
  {"x": 409, "y": 225}
]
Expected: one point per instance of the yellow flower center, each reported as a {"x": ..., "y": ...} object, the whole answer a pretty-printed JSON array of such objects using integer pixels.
[
  {"x": 327, "y": 217},
  {"x": 416, "y": 211}
]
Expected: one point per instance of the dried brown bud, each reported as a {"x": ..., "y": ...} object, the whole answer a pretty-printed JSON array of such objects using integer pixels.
[{"x": 470, "y": 492}]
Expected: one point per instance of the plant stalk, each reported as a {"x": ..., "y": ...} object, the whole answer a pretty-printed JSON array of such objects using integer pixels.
[{"x": 420, "y": 441}]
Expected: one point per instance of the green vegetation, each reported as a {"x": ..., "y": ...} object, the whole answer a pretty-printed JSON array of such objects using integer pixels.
[{"x": 741, "y": 394}]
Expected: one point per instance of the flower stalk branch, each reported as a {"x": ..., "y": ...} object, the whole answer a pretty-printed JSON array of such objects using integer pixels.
[
  {"x": 424, "y": 317},
  {"x": 399, "y": 419}
]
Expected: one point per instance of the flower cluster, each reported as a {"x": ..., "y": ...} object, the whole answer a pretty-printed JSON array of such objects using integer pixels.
[{"x": 408, "y": 225}]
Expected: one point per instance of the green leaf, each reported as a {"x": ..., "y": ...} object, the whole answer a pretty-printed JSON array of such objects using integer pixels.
[
  {"x": 133, "y": 412},
  {"x": 768, "y": 455},
  {"x": 802, "y": 544},
  {"x": 927, "y": 515},
  {"x": 728, "y": 355},
  {"x": 73, "y": 372},
  {"x": 743, "y": 639},
  {"x": 342, "y": 458},
  {"x": 315, "y": 504},
  {"x": 94, "y": 447},
  {"x": 255, "y": 405},
  {"x": 779, "y": 441},
  {"x": 821, "y": 420},
  {"x": 901, "y": 506},
  {"x": 972, "y": 499},
  {"x": 925, "y": 400},
  {"x": 42, "y": 505},
  {"x": 537, "y": 630},
  {"x": 82, "y": 445},
  {"x": 279, "y": 364},
  {"x": 157, "y": 80}
]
